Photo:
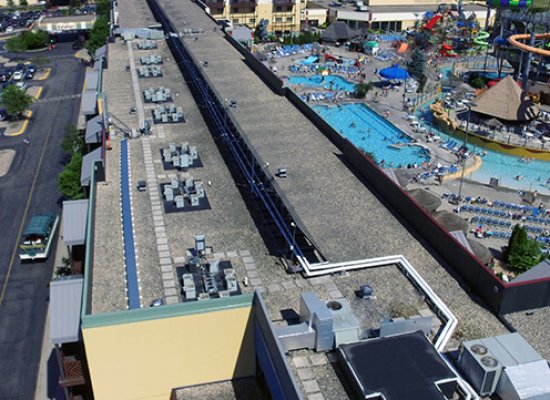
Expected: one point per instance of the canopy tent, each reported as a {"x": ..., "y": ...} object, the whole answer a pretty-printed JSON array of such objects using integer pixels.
[
  {"x": 338, "y": 31},
  {"x": 506, "y": 101},
  {"x": 394, "y": 72}
]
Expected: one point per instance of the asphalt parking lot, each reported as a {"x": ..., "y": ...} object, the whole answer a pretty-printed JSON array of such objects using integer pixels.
[{"x": 30, "y": 187}]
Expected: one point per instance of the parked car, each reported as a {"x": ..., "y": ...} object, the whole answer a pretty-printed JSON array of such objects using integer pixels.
[
  {"x": 29, "y": 74},
  {"x": 21, "y": 85},
  {"x": 17, "y": 75}
]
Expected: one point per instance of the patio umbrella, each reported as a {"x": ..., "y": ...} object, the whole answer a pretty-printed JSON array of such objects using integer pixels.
[
  {"x": 428, "y": 201},
  {"x": 451, "y": 221},
  {"x": 480, "y": 251},
  {"x": 394, "y": 72}
]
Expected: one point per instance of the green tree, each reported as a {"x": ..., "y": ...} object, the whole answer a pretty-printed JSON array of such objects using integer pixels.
[
  {"x": 27, "y": 41},
  {"x": 522, "y": 252},
  {"x": 15, "y": 100},
  {"x": 73, "y": 141},
  {"x": 417, "y": 66},
  {"x": 69, "y": 179},
  {"x": 102, "y": 8},
  {"x": 23, "y": 3},
  {"x": 11, "y": 3},
  {"x": 98, "y": 34},
  {"x": 361, "y": 89}
]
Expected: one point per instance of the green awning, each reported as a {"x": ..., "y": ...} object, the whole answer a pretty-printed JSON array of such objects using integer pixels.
[{"x": 40, "y": 225}]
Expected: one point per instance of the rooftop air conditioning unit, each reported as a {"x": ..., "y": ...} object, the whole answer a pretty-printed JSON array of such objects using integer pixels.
[{"x": 480, "y": 367}]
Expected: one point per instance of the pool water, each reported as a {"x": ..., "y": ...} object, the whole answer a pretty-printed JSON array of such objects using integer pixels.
[
  {"x": 504, "y": 167},
  {"x": 371, "y": 133},
  {"x": 338, "y": 83}
]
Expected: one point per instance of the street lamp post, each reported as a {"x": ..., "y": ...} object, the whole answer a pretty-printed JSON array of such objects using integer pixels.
[{"x": 469, "y": 105}]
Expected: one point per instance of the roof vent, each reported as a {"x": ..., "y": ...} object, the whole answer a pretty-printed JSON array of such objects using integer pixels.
[{"x": 334, "y": 305}]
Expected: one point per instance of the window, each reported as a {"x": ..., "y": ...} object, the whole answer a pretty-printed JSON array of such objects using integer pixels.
[
  {"x": 235, "y": 10},
  {"x": 251, "y": 20},
  {"x": 289, "y": 8},
  {"x": 236, "y": 20},
  {"x": 278, "y": 9},
  {"x": 278, "y": 19},
  {"x": 289, "y": 19}
]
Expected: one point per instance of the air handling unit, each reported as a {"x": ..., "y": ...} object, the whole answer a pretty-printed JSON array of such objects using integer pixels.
[
  {"x": 506, "y": 366},
  {"x": 480, "y": 366}
]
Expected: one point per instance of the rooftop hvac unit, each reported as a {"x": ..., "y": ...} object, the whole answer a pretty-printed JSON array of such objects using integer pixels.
[{"x": 480, "y": 367}]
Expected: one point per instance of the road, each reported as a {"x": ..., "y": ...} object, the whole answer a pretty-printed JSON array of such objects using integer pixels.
[{"x": 30, "y": 187}]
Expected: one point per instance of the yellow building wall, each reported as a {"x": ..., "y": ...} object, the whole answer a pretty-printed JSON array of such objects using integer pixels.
[
  {"x": 265, "y": 11},
  {"x": 146, "y": 360}
]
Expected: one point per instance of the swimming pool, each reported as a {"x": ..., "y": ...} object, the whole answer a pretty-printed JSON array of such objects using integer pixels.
[
  {"x": 504, "y": 167},
  {"x": 338, "y": 83},
  {"x": 370, "y": 132}
]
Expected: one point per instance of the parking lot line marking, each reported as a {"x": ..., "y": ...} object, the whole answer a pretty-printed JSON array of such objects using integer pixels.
[
  {"x": 23, "y": 127},
  {"x": 46, "y": 75},
  {"x": 38, "y": 93}
]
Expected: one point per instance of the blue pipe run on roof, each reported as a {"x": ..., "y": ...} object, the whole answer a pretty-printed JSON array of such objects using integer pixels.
[{"x": 128, "y": 230}]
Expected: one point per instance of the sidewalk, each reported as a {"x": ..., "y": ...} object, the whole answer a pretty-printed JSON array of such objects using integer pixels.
[{"x": 48, "y": 374}]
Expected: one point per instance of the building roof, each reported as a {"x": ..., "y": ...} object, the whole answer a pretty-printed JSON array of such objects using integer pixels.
[
  {"x": 94, "y": 130},
  {"x": 75, "y": 213},
  {"x": 101, "y": 52},
  {"x": 506, "y": 101},
  {"x": 242, "y": 33},
  {"x": 65, "y": 300},
  {"x": 87, "y": 165},
  {"x": 400, "y": 367},
  {"x": 461, "y": 238},
  {"x": 88, "y": 105},
  {"x": 539, "y": 271},
  {"x": 91, "y": 82}
]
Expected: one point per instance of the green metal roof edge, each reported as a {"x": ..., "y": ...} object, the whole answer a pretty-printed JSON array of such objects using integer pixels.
[
  {"x": 166, "y": 311},
  {"x": 89, "y": 244}
]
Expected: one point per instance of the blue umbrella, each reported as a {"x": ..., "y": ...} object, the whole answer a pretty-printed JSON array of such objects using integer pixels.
[{"x": 394, "y": 72}]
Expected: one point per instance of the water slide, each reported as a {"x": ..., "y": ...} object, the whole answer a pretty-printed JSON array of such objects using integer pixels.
[
  {"x": 430, "y": 25},
  {"x": 481, "y": 40},
  {"x": 515, "y": 40}
]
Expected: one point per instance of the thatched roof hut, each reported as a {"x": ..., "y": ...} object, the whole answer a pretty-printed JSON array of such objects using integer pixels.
[{"x": 506, "y": 101}]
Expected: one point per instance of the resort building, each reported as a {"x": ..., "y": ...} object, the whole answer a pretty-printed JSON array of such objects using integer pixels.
[
  {"x": 394, "y": 15},
  {"x": 283, "y": 16}
]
